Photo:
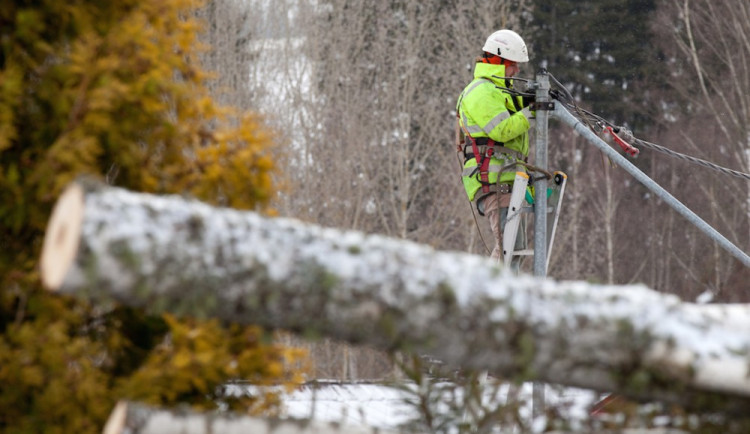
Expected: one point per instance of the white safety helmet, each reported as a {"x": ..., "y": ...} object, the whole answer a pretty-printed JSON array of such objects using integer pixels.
[{"x": 508, "y": 45}]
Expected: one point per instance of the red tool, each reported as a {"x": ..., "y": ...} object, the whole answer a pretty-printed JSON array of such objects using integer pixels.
[{"x": 632, "y": 151}]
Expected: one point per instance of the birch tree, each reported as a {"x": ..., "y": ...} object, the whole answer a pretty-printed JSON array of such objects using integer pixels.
[
  {"x": 140, "y": 249},
  {"x": 135, "y": 418}
]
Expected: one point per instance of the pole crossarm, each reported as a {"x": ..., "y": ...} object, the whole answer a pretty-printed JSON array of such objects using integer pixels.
[{"x": 564, "y": 115}]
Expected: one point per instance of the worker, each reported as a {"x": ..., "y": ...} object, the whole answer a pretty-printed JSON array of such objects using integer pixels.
[{"x": 494, "y": 121}]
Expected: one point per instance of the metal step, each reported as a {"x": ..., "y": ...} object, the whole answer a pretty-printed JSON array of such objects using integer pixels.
[{"x": 525, "y": 252}]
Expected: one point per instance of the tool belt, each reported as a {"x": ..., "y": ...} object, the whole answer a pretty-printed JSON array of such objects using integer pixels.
[
  {"x": 501, "y": 188},
  {"x": 482, "y": 147}
]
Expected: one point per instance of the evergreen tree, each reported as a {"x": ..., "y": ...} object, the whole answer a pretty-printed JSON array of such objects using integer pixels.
[
  {"x": 602, "y": 51},
  {"x": 114, "y": 90}
]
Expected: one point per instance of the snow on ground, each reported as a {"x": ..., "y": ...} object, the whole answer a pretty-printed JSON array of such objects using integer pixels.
[
  {"x": 374, "y": 405},
  {"x": 387, "y": 407}
]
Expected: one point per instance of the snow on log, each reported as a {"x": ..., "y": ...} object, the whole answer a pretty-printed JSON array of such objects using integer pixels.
[
  {"x": 135, "y": 418},
  {"x": 168, "y": 253}
]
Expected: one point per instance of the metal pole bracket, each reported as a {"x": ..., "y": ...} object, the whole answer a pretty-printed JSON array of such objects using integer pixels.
[{"x": 543, "y": 105}]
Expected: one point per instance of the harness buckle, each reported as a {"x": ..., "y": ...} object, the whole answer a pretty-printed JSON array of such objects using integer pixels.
[{"x": 503, "y": 188}]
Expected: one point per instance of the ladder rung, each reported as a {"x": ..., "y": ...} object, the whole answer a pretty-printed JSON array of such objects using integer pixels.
[{"x": 526, "y": 252}]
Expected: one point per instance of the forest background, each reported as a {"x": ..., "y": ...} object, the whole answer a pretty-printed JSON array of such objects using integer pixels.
[
  {"x": 364, "y": 94},
  {"x": 367, "y": 100},
  {"x": 358, "y": 105}
]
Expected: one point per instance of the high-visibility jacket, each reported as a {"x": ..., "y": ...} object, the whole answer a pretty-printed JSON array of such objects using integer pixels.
[{"x": 485, "y": 110}]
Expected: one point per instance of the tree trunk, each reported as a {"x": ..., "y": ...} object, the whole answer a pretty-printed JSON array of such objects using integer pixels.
[
  {"x": 178, "y": 255},
  {"x": 133, "y": 418}
]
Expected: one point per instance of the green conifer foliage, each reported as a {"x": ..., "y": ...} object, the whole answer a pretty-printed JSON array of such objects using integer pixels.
[
  {"x": 114, "y": 90},
  {"x": 603, "y": 51}
]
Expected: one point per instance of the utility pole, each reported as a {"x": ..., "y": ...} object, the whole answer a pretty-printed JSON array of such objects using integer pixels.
[
  {"x": 541, "y": 137},
  {"x": 540, "y": 183}
]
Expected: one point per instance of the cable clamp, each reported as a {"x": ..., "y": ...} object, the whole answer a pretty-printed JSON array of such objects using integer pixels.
[{"x": 543, "y": 106}]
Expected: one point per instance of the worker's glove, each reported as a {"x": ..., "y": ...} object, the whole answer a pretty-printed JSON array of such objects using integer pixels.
[{"x": 528, "y": 100}]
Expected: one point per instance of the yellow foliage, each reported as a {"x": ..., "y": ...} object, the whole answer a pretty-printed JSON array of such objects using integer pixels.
[
  {"x": 236, "y": 173},
  {"x": 198, "y": 357},
  {"x": 114, "y": 89}
]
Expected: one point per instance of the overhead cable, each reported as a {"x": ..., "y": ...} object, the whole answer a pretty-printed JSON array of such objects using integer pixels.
[{"x": 590, "y": 119}]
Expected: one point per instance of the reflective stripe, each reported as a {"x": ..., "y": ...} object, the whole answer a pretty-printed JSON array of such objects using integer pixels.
[
  {"x": 474, "y": 86},
  {"x": 471, "y": 129},
  {"x": 494, "y": 122}
]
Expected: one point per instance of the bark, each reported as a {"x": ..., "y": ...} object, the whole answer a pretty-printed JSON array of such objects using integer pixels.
[
  {"x": 181, "y": 256},
  {"x": 134, "y": 418}
]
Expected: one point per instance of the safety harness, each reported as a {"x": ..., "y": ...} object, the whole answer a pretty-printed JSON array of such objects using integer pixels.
[
  {"x": 483, "y": 152},
  {"x": 483, "y": 162}
]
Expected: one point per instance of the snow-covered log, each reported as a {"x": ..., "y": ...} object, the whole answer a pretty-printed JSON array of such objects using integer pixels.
[
  {"x": 179, "y": 255},
  {"x": 135, "y": 418}
]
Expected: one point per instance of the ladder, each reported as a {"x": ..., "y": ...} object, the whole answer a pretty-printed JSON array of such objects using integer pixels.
[{"x": 519, "y": 205}]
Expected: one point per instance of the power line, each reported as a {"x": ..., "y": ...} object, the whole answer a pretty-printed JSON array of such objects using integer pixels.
[
  {"x": 692, "y": 159},
  {"x": 590, "y": 119}
]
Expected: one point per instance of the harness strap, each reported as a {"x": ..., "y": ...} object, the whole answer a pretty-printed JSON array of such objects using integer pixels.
[
  {"x": 483, "y": 161},
  {"x": 483, "y": 158},
  {"x": 499, "y": 148}
]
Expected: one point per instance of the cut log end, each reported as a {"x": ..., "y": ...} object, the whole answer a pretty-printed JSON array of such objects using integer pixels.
[
  {"x": 62, "y": 237},
  {"x": 116, "y": 422}
]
